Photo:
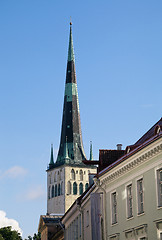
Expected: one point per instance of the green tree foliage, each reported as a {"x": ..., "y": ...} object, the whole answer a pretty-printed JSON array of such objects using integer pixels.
[
  {"x": 7, "y": 234},
  {"x": 1, "y": 238},
  {"x": 35, "y": 237}
]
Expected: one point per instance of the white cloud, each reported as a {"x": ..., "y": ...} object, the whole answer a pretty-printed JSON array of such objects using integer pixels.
[
  {"x": 5, "y": 222},
  {"x": 36, "y": 192},
  {"x": 14, "y": 172}
]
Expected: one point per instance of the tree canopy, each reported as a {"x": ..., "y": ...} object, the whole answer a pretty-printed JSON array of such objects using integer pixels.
[
  {"x": 6, "y": 233},
  {"x": 35, "y": 237}
]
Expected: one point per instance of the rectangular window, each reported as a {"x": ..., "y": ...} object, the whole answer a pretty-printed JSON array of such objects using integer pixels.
[
  {"x": 87, "y": 215},
  {"x": 80, "y": 226},
  {"x": 76, "y": 227},
  {"x": 114, "y": 208},
  {"x": 159, "y": 187},
  {"x": 161, "y": 236},
  {"x": 129, "y": 201},
  {"x": 140, "y": 196}
]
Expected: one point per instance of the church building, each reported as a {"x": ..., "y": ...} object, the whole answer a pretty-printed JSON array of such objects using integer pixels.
[{"x": 68, "y": 177}]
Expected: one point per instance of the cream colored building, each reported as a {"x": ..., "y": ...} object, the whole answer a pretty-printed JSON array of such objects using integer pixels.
[
  {"x": 65, "y": 184},
  {"x": 129, "y": 205}
]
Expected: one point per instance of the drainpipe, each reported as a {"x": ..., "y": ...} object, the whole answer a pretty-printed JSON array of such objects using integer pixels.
[
  {"x": 98, "y": 184},
  {"x": 82, "y": 217}
]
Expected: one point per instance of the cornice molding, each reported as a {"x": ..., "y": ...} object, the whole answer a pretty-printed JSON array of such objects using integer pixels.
[{"x": 130, "y": 164}]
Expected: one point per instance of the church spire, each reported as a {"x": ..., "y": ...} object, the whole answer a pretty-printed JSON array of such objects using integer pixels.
[
  {"x": 91, "y": 153},
  {"x": 51, "y": 164},
  {"x": 71, "y": 137},
  {"x": 71, "y": 48}
]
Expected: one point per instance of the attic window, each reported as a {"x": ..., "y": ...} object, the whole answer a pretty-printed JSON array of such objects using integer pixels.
[
  {"x": 157, "y": 129},
  {"x": 128, "y": 150}
]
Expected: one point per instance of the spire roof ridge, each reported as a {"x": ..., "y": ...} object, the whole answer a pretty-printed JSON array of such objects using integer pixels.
[{"x": 66, "y": 150}]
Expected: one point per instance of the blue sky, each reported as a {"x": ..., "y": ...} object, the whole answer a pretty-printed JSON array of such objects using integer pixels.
[{"x": 118, "y": 65}]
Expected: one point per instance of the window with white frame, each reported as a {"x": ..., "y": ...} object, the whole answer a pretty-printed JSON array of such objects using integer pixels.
[
  {"x": 114, "y": 237},
  {"x": 129, "y": 201},
  {"x": 161, "y": 236},
  {"x": 159, "y": 187},
  {"x": 114, "y": 208},
  {"x": 140, "y": 196}
]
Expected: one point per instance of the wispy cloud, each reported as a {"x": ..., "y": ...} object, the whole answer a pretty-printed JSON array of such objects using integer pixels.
[
  {"x": 35, "y": 193},
  {"x": 13, "y": 172},
  {"x": 5, "y": 222}
]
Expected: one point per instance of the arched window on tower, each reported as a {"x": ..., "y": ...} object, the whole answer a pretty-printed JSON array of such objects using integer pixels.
[
  {"x": 72, "y": 174},
  {"x": 86, "y": 186},
  {"x": 56, "y": 190},
  {"x": 68, "y": 187},
  {"x": 53, "y": 192},
  {"x": 75, "y": 190},
  {"x": 80, "y": 188},
  {"x": 49, "y": 189},
  {"x": 81, "y": 175},
  {"x": 59, "y": 188}
]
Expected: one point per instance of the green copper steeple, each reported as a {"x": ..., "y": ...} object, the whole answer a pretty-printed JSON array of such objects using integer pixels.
[
  {"x": 71, "y": 48},
  {"x": 71, "y": 149},
  {"x": 51, "y": 164},
  {"x": 91, "y": 153}
]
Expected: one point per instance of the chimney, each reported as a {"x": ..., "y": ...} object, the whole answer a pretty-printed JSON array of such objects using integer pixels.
[{"x": 119, "y": 146}]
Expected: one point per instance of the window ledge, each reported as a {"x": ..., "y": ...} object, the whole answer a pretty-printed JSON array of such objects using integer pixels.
[
  {"x": 130, "y": 218},
  {"x": 159, "y": 207},
  {"x": 140, "y": 214},
  {"x": 114, "y": 224}
]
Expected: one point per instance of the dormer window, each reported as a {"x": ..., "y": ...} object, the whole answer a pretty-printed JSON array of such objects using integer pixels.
[
  {"x": 128, "y": 150},
  {"x": 157, "y": 129}
]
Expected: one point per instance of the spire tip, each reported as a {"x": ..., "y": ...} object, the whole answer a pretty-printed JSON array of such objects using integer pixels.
[{"x": 70, "y": 21}]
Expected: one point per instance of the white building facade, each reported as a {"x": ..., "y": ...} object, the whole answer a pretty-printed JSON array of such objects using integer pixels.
[{"x": 130, "y": 193}]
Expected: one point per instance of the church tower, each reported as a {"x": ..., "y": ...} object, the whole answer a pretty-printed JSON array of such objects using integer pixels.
[{"x": 68, "y": 177}]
